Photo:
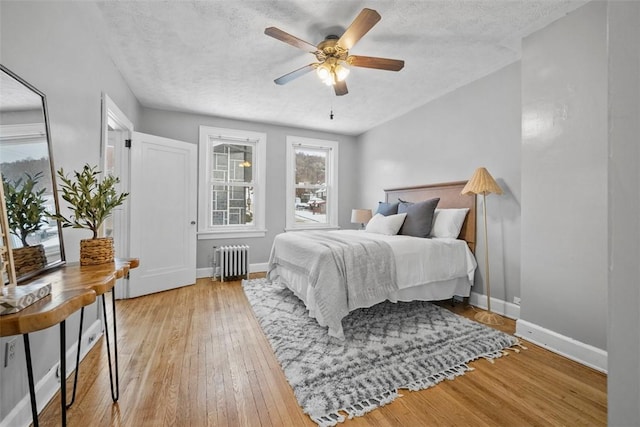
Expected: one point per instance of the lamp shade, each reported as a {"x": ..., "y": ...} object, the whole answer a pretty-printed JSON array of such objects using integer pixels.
[
  {"x": 360, "y": 216},
  {"x": 481, "y": 183}
]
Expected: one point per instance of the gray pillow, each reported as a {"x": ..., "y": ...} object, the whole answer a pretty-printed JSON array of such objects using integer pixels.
[
  {"x": 419, "y": 218},
  {"x": 387, "y": 209}
]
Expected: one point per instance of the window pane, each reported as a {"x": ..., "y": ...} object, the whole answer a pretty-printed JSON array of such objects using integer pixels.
[
  {"x": 218, "y": 217},
  {"x": 232, "y": 205},
  {"x": 232, "y": 163},
  {"x": 219, "y": 175},
  {"x": 311, "y": 165},
  {"x": 311, "y": 189}
]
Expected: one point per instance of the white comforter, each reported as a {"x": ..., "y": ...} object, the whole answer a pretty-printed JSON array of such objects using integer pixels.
[{"x": 332, "y": 282}]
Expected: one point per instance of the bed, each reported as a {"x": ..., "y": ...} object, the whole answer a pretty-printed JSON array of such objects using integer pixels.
[{"x": 336, "y": 272}]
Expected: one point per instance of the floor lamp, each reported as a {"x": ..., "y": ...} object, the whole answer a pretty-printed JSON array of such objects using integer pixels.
[{"x": 483, "y": 183}]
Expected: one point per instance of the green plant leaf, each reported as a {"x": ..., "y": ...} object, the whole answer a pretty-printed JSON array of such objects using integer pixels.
[
  {"x": 91, "y": 200},
  {"x": 25, "y": 205}
]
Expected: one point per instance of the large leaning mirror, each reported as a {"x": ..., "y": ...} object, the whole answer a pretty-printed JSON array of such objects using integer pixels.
[{"x": 26, "y": 165}]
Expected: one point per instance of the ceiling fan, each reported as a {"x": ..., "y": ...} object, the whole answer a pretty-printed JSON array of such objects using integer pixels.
[{"x": 333, "y": 53}]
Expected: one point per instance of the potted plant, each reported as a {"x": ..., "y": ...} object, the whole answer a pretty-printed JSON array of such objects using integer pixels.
[
  {"x": 26, "y": 212},
  {"x": 92, "y": 201}
]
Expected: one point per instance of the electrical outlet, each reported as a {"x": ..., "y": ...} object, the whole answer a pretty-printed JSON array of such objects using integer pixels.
[
  {"x": 516, "y": 300},
  {"x": 10, "y": 352}
]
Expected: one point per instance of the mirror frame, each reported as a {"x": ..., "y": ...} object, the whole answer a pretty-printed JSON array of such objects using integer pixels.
[{"x": 45, "y": 112}]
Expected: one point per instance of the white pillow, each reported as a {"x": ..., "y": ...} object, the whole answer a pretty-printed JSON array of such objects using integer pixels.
[
  {"x": 448, "y": 222},
  {"x": 388, "y": 225}
]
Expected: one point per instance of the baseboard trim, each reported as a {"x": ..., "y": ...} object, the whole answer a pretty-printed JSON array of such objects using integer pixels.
[
  {"x": 506, "y": 309},
  {"x": 578, "y": 351},
  {"x": 208, "y": 271},
  {"x": 47, "y": 386},
  {"x": 201, "y": 273},
  {"x": 260, "y": 267}
]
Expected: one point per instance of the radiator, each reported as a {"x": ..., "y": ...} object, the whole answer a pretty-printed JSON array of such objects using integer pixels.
[{"x": 231, "y": 261}]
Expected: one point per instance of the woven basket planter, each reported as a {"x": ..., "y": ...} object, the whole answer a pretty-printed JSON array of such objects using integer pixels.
[
  {"x": 28, "y": 259},
  {"x": 96, "y": 251}
]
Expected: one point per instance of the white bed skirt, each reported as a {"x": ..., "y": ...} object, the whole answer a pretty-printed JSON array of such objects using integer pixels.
[{"x": 434, "y": 291}]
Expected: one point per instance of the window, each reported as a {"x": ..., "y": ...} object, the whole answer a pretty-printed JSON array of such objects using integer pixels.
[
  {"x": 312, "y": 176},
  {"x": 231, "y": 200}
]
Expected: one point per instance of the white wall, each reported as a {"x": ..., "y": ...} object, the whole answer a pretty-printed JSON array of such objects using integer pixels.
[
  {"x": 564, "y": 177},
  {"x": 49, "y": 45},
  {"x": 446, "y": 140},
  {"x": 623, "y": 337},
  {"x": 185, "y": 127}
]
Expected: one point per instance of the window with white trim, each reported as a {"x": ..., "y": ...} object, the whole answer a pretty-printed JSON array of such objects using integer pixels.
[
  {"x": 312, "y": 178},
  {"x": 231, "y": 196}
]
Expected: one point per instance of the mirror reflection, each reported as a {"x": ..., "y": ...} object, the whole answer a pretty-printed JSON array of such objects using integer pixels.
[{"x": 27, "y": 176}]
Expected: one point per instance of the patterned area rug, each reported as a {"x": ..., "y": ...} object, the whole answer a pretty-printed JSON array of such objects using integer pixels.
[{"x": 387, "y": 347}]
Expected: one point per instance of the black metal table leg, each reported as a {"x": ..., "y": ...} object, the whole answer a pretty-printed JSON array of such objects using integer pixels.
[
  {"x": 75, "y": 378},
  {"x": 63, "y": 382},
  {"x": 32, "y": 391},
  {"x": 115, "y": 392},
  {"x": 63, "y": 374}
]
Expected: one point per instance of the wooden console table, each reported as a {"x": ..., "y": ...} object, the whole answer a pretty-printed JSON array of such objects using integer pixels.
[{"x": 73, "y": 287}]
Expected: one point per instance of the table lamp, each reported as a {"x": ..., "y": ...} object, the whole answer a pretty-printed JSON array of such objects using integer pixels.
[{"x": 361, "y": 216}]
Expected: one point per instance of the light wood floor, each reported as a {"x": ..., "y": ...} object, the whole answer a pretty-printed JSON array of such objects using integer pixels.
[{"x": 196, "y": 357}]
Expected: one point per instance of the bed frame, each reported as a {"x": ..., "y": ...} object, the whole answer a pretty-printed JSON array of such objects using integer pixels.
[{"x": 450, "y": 197}]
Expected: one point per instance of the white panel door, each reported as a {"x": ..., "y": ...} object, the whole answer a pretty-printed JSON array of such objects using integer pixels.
[{"x": 163, "y": 214}]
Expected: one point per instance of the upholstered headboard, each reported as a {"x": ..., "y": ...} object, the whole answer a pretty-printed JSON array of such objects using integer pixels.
[{"x": 450, "y": 197}]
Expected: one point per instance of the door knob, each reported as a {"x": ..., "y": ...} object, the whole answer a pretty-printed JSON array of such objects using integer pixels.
[{"x": 193, "y": 223}]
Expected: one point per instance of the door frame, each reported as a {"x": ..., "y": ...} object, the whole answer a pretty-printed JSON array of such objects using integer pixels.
[{"x": 114, "y": 117}]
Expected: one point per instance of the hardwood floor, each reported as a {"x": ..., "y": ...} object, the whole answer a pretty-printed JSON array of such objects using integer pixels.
[{"x": 196, "y": 356}]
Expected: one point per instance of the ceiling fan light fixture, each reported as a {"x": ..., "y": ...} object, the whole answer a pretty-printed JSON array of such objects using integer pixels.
[
  {"x": 341, "y": 71},
  {"x": 324, "y": 71},
  {"x": 330, "y": 80},
  {"x": 332, "y": 54}
]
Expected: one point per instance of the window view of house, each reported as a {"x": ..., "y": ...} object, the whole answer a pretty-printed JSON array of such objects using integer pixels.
[
  {"x": 310, "y": 185},
  {"x": 231, "y": 184}
]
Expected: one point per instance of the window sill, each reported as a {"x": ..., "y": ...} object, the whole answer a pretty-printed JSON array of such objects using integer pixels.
[
  {"x": 230, "y": 234},
  {"x": 323, "y": 228}
]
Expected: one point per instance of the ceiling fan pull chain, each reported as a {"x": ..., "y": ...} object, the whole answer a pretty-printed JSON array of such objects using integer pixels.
[{"x": 331, "y": 112}]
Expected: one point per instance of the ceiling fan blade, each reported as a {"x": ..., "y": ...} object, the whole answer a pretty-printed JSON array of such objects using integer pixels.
[
  {"x": 340, "y": 88},
  {"x": 278, "y": 34},
  {"x": 358, "y": 28},
  {"x": 294, "y": 74},
  {"x": 377, "y": 63}
]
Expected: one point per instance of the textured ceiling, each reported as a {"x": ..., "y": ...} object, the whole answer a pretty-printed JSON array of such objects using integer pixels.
[{"x": 212, "y": 57}]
